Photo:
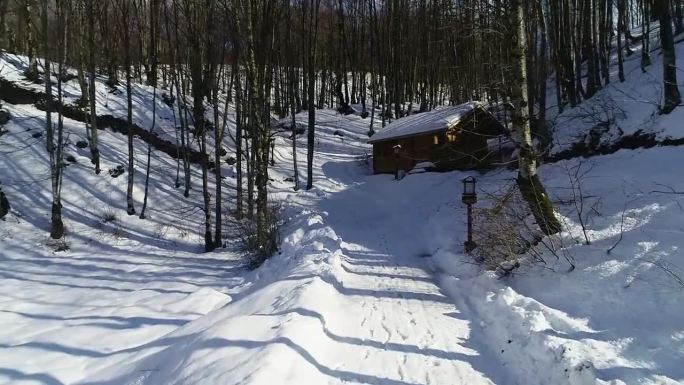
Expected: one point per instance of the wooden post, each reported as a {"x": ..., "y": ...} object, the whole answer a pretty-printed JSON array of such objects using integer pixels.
[
  {"x": 396, "y": 149},
  {"x": 470, "y": 244},
  {"x": 396, "y": 166},
  {"x": 469, "y": 198}
]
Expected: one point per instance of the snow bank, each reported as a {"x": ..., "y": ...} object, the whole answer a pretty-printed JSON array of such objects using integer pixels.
[{"x": 594, "y": 324}]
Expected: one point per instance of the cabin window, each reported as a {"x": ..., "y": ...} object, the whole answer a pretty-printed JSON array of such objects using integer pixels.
[
  {"x": 451, "y": 136},
  {"x": 435, "y": 139}
]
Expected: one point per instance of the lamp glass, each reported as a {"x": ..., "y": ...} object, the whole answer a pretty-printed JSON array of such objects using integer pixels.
[{"x": 469, "y": 186}]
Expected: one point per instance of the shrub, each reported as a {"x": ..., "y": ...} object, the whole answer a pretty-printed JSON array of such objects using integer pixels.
[
  {"x": 506, "y": 234},
  {"x": 497, "y": 231},
  {"x": 258, "y": 252},
  {"x": 108, "y": 215},
  {"x": 59, "y": 245}
]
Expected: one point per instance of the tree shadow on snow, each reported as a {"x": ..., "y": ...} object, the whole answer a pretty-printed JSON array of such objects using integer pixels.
[{"x": 17, "y": 375}]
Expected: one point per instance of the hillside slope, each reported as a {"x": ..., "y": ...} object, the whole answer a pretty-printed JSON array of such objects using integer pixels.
[{"x": 621, "y": 114}]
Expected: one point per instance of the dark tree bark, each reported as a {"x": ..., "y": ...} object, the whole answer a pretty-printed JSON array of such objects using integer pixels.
[
  {"x": 125, "y": 14},
  {"x": 293, "y": 108},
  {"x": 4, "y": 33},
  {"x": 32, "y": 71},
  {"x": 646, "y": 34},
  {"x": 92, "y": 110},
  {"x": 543, "y": 132},
  {"x": 239, "y": 112},
  {"x": 149, "y": 152},
  {"x": 670, "y": 86},
  {"x": 55, "y": 149},
  {"x": 311, "y": 36},
  {"x": 219, "y": 130},
  {"x": 4, "y": 204},
  {"x": 679, "y": 17},
  {"x": 152, "y": 47},
  {"x": 620, "y": 30},
  {"x": 202, "y": 66}
]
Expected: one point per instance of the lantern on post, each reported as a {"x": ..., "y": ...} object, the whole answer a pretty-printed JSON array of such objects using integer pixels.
[
  {"x": 469, "y": 198},
  {"x": 396, "y": 149}
]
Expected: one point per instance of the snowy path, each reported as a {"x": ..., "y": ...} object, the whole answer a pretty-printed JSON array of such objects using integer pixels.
[
  {"x": 403, "y": 323},
  {"x": 396, "y": 327}
]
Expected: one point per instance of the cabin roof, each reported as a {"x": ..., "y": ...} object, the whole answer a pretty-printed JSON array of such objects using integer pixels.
[{"x": 436, "y": 120}]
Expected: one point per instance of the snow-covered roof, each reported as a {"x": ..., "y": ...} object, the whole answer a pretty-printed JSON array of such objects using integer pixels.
[{"x": 436, "y": 120}]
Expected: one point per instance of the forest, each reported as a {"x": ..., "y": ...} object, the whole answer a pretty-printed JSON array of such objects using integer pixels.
[
  {"x": 278, "y": 58},
  {"x": 187, "y": 192}
]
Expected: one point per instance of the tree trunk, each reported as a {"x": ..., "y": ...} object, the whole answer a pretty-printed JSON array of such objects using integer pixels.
[
  {"x": 528, "y": 181},
  {"x": 620, "y": 29},
  {"x": 130, "y": 208},
  {"x": 32, "y": 71},
  {"x": 293, "y": 112},
  {"x": 94, "y": 151},
  {"x": 149, "y": 152},
  {"x": 646, "y": 35},
  {"x": 4, "y": 204},
  {"x": 311, "y": 63},
  {"x": 679, "y": 17},
  {"x": 670, "y": 86},
  {"x": 56, "y": 150},
  {"x": 4, "y": 40},
  {"x": 219, "y": 130},
  {"x": 152, "y": 74},
  {"x": 239, "y": 112},
  {"x": 543, "y": 132},
  {"x": 198, "y": 92}
]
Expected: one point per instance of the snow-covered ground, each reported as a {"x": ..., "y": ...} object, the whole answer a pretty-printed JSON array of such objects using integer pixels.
[{"x": 370, "y": 286}]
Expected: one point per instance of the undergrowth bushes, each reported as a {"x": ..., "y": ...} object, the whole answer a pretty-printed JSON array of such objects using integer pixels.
[
  {"x": 507, "y": 235},
  {"x": 258, "y": 252}
]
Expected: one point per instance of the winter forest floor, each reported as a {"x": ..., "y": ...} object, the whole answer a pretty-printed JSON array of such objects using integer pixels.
[{"x": 370, "y": 285}]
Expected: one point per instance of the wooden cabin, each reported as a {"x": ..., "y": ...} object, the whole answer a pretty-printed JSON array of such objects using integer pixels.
[{"x": 451, "y": 137}]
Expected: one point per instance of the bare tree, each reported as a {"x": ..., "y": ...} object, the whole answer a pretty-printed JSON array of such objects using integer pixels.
[
  {"x": 92, "y": 110},
  {"x": 124, "y": 16},
  {"x": 55, "y": 145},
  {"x": 672, "y": 98},
  {"x": 32, "y": 71},
  {"x": 528, "y": 181},
  {"x": 149, "y": 152},
  {"x": 310, "y": 18}
]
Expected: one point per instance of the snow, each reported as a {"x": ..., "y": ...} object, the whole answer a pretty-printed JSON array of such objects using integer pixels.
[
  {"x": 422, "y": 167},
  {"x": 598, "y": 320},
  {"x": 370, "y": 285},
  {"x": 422, "y": 123}
]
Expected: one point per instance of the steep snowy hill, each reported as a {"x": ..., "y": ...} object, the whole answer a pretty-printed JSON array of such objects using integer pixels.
[{"x": 621, "y": 114}]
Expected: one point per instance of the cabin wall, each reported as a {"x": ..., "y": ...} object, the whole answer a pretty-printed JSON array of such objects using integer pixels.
[{"x": 384, "y": 160}]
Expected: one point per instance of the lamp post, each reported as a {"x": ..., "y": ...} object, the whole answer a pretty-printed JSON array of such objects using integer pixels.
[
  {"x": 469, "y": 198},
  {"x": 396, "y": 149}
]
